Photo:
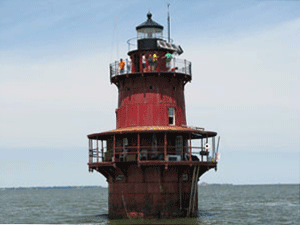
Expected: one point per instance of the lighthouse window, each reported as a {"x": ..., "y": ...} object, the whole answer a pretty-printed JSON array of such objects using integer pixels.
[{"x": 172, "y": 116}]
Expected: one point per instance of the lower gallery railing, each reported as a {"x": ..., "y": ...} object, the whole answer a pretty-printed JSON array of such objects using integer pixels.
[{"x": 150, "y": 153}]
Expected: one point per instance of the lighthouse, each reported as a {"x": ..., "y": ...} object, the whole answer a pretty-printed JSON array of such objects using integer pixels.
[{"x": 153, "y": 159}]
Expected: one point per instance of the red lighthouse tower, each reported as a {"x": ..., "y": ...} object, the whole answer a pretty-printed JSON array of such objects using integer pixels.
[{"x": 150, "y": 162}]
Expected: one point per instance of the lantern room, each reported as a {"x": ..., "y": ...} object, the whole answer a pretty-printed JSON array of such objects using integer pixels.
[
  {"x": 149, "y": 29},
  {"x": 148, "y": 33}
]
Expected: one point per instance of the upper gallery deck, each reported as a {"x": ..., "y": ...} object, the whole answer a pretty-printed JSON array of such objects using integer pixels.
[{"x": 145, "y": 64}]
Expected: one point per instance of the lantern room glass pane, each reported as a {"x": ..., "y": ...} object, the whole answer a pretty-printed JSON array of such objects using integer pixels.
[{"x": 149, "y": 33}]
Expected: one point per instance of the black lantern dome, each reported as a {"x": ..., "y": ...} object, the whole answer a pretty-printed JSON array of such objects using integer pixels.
[{"x": 149, "y": 23}]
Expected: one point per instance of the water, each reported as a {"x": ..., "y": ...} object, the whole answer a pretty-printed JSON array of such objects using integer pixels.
[{"x": 239, "y": 204}]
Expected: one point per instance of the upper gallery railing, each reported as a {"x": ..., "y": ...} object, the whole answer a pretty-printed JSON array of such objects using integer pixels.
[{"x": 175, "y": 65}]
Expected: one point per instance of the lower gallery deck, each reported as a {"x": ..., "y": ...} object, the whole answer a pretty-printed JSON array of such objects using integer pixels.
[
  {"x": 152, "y": 171},
  {"x": 153, "y": 145},
  {"x": 108, "y": 169}
]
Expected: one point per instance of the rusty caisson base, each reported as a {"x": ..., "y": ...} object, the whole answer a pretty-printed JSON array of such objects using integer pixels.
[{"x": 152, "y": 191}]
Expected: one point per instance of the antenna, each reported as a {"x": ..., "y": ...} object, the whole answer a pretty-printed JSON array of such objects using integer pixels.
[
  {"x": 218, "y": 144},
  {"x": 117, "y": 31},
  {"x": 168, "y": 24},
  {"x": 115, "y": 41}
]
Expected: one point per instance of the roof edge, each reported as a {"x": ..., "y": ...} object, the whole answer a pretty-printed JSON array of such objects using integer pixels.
[{"x": 198, "y": 133}]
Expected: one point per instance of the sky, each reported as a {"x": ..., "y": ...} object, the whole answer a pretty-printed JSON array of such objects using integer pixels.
[{"x": 55, "y": 88}]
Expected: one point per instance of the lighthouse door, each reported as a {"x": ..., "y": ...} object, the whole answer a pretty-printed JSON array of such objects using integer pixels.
[{"x": 137, "y": 62}]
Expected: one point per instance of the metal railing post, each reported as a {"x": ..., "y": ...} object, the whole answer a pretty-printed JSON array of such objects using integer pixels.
[
  {"x": 116, "y": 68},
  {"x": 138, "y": 148},
  {"x": 90, "y": 152},
  {"x": 97, "y": 151},
  {"x": 174, "y": 62},
  {"x": 165, "y": 146},
  {"x": 201, "y": 149},
  {"x": 114, "y": 148},
  {"x": 206, "y": 150},
  {"x": 213, "y": 148},
  {"x": 110, "y": 70},
  {"x": 102, "y": 157},
  {"x": 190, "y": 142}
]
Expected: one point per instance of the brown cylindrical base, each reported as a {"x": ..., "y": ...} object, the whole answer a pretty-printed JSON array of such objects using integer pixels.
[{"x": 152, "y": 191}]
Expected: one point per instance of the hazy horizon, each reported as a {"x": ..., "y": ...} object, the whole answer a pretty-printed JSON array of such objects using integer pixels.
[{"x": 100, "y": 186}]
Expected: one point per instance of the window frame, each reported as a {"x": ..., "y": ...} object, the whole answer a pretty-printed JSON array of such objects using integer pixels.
[{"x": 171, "y": 115}]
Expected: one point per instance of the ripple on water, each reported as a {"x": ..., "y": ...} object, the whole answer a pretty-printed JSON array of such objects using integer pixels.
[{"x": 247, "y": 204}]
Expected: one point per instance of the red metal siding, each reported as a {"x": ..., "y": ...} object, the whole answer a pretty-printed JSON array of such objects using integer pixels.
[{"x": 147, "y": 104}]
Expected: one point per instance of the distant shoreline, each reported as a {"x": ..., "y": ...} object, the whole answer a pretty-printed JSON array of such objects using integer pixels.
[
  {"x": 100, "y": 187},
  {"x": 49, "y": 187}
]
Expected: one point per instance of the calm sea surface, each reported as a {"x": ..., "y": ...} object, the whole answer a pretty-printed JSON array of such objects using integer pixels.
[{"x": 244, "y": 204}]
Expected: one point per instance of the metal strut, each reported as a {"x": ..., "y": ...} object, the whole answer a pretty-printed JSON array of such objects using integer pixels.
[{"x": 194, "y": 190}]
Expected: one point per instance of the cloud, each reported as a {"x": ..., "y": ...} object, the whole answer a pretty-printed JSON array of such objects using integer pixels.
[
  {"x": 240, "y": 88},
  {"x": 55, "y": 102},
  {"x": 259, "y": 69},
  {"x": 247, "y": 89}
]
